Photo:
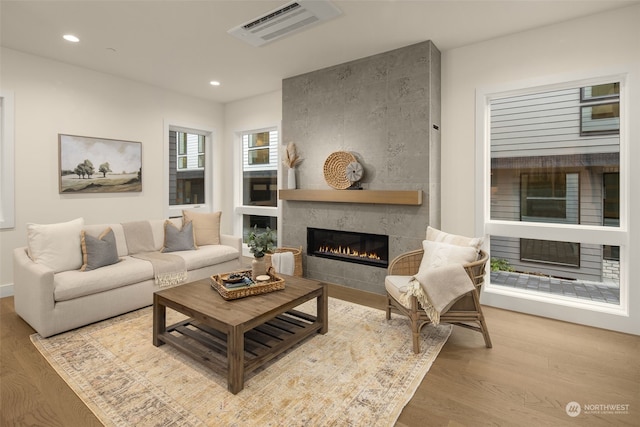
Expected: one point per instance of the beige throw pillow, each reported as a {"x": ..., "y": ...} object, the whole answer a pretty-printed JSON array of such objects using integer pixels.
[{"x": 206, "y": 226}]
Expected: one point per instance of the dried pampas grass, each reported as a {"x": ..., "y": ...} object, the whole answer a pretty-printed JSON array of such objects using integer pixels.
[{"x": 291, "y": 158}]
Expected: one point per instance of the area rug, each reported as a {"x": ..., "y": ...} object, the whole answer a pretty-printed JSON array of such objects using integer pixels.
[{"x": 361, "y": 373}]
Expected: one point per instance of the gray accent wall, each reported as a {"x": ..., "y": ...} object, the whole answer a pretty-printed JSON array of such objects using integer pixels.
[{"x": 385, "y": 109}]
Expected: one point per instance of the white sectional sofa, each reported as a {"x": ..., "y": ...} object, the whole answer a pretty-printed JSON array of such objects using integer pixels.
[{"x": 56, "y": 296}]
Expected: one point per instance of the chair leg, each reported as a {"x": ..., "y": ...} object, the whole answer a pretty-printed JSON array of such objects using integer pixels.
[
  {"x": 481, "y": 321},
  {"x": 388, "y": 311},
  {"x": 415, "y": 328}
]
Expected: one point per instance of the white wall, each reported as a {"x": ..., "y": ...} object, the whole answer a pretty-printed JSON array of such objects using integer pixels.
[
  {"x": 52, "y": 98},
  {"x": 590, "y": 45}
]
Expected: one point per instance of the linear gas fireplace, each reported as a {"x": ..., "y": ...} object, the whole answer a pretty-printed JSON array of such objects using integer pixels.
[{"x": 349, "y": 246}]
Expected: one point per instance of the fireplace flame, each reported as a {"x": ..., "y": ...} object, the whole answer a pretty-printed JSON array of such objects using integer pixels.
[{"x": 347, "y": 251}]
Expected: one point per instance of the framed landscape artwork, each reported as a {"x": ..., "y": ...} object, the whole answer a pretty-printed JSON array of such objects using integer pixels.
[{"x": 98, "y": 165}]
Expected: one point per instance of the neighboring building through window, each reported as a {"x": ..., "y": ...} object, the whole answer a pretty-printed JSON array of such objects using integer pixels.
[
  {"x": 186, "y": 168},
  {"x": 549, "y": 197},
  {"x": 555, "y": 158},
  {"x": 600, "y": 109},
  {"x": 259, "y": 189}
]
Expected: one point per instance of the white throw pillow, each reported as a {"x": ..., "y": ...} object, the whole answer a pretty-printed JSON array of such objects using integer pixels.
[
  {"x": 436, "y": 235},
  {"x": 438, "y": 254},
  {"x": 56, "y": 245}
]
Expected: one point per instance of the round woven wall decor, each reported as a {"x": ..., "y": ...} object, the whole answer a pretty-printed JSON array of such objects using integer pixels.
[{"x": 335, "y": 169}]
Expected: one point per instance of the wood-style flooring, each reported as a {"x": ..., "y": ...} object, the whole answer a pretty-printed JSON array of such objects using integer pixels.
[{"x": 535, "y": 368}]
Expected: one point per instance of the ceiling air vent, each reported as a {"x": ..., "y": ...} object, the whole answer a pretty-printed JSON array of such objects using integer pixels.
[{"x": 291, "y": 17}]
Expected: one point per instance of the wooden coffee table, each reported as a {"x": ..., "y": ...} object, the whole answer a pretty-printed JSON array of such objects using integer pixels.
[{"x": 235, "y": 337}]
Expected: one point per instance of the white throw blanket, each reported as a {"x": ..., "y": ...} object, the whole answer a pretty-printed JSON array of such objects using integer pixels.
[
  {"x": 437, "y": 289},
  {"x": 283, "y": 262},
  {"x": 168, "y": 269}
]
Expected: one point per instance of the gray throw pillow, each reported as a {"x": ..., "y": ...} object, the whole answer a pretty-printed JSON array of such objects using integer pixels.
[
  {"x": 178, "y": 239},
  {"x": 100, "y": 251}
]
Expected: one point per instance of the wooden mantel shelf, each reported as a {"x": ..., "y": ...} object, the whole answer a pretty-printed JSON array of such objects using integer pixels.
[{"x": 384, "y": 197}]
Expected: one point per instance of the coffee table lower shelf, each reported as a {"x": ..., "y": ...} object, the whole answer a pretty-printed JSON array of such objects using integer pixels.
[{"x": 261, "y": 344}]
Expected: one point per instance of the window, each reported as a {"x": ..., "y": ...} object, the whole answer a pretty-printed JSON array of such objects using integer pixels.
[
  {"x": 598, "y": 92},
  {"x": 550, "y": 252},
  {"x": 611, "y": 211},
  {"x": 187, "y": 182},
  {"x": 258, "y": 148},
  {"x": 611, "y": 199},
  {"x": 600, "y": 111},
  {"x": 550, "y": 197},
  {"x": 7, "y": 212},
  {"x": 260, "y": 169},
  {"x": 553, "y": 205},
  {"x": 189, "y": 178},
  {"x": 258, "y": 196}
]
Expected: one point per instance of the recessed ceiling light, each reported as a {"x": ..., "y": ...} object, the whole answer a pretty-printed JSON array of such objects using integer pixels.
[
  {"x": 214, "y": 83},
  {"x": 71, "y": 38}
]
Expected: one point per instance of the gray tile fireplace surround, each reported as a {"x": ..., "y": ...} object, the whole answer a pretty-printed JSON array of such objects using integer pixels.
[{"x": 385, "y": 109}]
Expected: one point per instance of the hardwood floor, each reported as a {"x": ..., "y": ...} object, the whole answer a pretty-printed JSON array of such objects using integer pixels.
[{"x": 535, "y": 368}]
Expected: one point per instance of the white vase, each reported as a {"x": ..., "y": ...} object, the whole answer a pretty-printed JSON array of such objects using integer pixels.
[
  {"x": 258, "y": 267},
  {"x": 291, "y": 179}
]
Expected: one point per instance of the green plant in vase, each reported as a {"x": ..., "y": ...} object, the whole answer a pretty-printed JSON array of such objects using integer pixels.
[{"x": 260, "y": 243}]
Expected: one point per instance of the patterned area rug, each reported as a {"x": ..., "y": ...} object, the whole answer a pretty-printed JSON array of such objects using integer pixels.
[{"x": 361, "y": 373}]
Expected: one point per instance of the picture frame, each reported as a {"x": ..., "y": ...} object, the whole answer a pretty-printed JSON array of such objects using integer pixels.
[{"x": 98, "y": 165}]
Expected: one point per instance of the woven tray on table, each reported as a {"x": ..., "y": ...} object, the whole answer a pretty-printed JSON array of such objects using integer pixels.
[
  {"x": 297, "y": 259},
  {"x": 335, "y": 169},
  {"x": 275, "y": 283}
]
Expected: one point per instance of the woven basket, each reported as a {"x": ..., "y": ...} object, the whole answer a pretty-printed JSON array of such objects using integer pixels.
[
  {"x": 335, "y": 169},
  {"x": 275, "y": 283},
  {"x": 297, "y": 259}
]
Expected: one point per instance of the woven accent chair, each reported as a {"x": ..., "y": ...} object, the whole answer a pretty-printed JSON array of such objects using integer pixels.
[{"x": 465, "y": 312}]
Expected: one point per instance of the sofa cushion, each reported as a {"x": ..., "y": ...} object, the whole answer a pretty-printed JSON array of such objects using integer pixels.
[
  {"x": 207, "y": 255},
  {"x": 73, "y": 284},
  {"x": 397, "y": 286},
  {"x": 178, "y": 239},
  {"x": 56, "y": 245},
  {"x": 98, "y": 251},
  {"x": 206, "y": 226}
]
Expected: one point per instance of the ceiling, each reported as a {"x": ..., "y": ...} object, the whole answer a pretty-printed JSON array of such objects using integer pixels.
[{"x": 182, "y": 45}]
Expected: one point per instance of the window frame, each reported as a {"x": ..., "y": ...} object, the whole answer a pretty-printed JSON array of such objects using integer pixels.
[
  {"x": 173, "y": 211},
  {"x": 7, "y": 153},
  {"x": 575, "y": 310},
  {"x": 240, "y": 209}
]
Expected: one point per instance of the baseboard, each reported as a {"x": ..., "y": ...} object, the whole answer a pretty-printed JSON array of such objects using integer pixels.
[
  {"x": 357, "y": 296},
  {"x": 6, "y": 290}
]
